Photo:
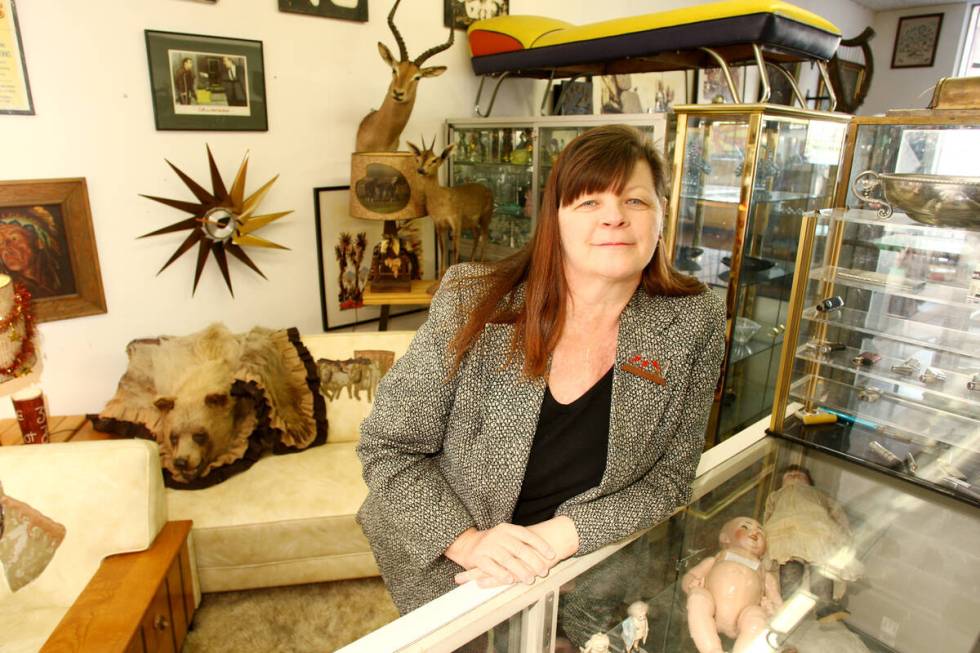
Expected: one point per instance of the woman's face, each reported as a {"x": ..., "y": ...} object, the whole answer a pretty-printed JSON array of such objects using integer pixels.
[{"x": 612, "y": 236}]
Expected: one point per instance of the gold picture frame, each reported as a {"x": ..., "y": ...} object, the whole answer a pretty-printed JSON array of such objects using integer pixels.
[{"x": 48, "y": 244}]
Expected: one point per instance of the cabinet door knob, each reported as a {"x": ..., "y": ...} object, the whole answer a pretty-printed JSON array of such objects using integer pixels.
[{"x": 161, "y": 622}]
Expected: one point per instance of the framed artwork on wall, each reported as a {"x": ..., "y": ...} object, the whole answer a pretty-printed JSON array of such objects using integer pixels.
[
  {"x": 641, "y": 92},
  {"x": 356, "y": 10},
  {"x": 47, "y": 244},
  {"x": 780, "y": 90},
  {"x": 852, "y": 77},
  {"x": 916, "y": 40},
  {"x": 206, "y": 82},
  {"x": 710, "y": 86},
  {"x": 15, "y": 89},
  {"x": 460, "y": 14},
  {"x": 344, "y": 246}
]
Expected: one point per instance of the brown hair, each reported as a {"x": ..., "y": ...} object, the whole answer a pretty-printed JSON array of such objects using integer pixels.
[{"x": 597, "y": 160}]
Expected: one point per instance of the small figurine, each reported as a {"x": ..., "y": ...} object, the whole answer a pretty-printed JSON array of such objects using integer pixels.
[
  {"x": 869, "y": 393},
  {"x": 866, "y": 358},
  {"x": 731, "y": 592},
  {"x": 932, "y": 376},
  {"x": 974, "y": 384},
  {"x": 636, "y": 627},
  {"x": 908, "y": 367},
  {"x": 830, "y": 304},
  {"x": 807, "y": 529},
  {"x": 598, "y": 643}
]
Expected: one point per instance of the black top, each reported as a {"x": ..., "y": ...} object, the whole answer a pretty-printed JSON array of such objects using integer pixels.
[{"x": 568, "y": 455}]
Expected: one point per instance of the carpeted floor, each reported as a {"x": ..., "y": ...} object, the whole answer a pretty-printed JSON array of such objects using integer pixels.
[{"x": 318, "y": 618}]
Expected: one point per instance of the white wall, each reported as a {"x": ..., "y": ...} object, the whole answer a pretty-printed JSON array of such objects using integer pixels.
[
  {"x": 88, "y": 74},
  {"x": 911, "y": 88}
]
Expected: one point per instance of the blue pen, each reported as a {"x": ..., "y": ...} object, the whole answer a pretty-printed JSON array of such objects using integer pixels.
[{"x": 851, "y": 419}]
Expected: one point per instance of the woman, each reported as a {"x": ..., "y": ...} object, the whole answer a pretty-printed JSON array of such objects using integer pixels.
[{"x": 552, "y": 403}]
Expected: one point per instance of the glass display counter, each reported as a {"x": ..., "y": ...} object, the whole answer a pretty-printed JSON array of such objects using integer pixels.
[
  {"x": 513, "y": 157},
  {"x": 744, "y": 176},
  {"x": 884, "y": 368},
  {"x": 884, "y": 566}
]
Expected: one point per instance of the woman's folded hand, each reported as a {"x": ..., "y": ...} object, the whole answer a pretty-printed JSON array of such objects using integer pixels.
[{"x": 501, "y": 555}]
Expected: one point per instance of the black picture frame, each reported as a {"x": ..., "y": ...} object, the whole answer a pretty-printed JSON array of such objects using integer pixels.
[
  {"x": 332, "y": 218},
  {"x": 212, "y": 98},
  {"x": 326, "y": 9},
  {"x": 709, "y": 84},
  {"x": 454, "y": 13},
  {"x": 14, "y": 51},
  {"x": 916, "y": 40}
]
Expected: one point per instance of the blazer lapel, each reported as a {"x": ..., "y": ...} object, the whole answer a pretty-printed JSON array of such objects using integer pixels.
[
  {"x": 511, "y": 406},
  {"x": 639, "y": 399}
]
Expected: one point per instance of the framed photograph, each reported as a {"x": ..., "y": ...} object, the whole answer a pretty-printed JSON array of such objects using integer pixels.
[
  {"x": 641, "y": 92},
  {"x": 460, "y": 14},
  {"x": 710, "y": 86},
  {"x": 780, "y": 90},
  {"x": 344, "y": 246},
  {"x": 356, "y": 10},
  {"x": 15, "y": 89},
  {"x": 852, "y": 83},
  {"x": 915, "y": 41},
  {"x": 47, "y": 244},
  {"x": 206, "y": 82}
]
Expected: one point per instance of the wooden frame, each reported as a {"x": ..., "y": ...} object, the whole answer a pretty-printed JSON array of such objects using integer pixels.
[
  {"x": 224, "y": 87},
  {"x": 326, "y": 9},
  {"x": 15, "y": 87},
  {"x": 51, "y": 220},
  {"x": 852, "y": 76},
  {"x": 916, "y": 40},
  {"x": 344, "y": 309}
]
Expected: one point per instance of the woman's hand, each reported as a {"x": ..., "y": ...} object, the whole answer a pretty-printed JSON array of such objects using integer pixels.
[
  {"x": 501, "y": 555},
  {"x": 559, "y": 534}
]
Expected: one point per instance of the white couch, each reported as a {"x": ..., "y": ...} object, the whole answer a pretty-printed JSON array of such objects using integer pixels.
[
  {"x": 289, "y": 519},
  {"x": 108, "y": 495}
]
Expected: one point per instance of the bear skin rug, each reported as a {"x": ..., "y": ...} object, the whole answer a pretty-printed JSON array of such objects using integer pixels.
[{"x": 216, "y": 402}]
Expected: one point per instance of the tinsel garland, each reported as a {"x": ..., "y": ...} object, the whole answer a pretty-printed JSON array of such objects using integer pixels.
[{"x": 22, "y": 307}]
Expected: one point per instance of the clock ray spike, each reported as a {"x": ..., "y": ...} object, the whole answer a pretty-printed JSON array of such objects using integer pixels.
[
  {"x": 187, "y": 207},
  {"x": 259, "y": 221},
  {"x": 219, "y": 256},
  {"x": 189, "y": 223},
  {"x": 237, "y": 193},
  {"x": 200, "y": 193},
  {"x": 202, "y": 257},
  {"x": 256, "y": 241},
  {"x": 240, "y": 254},
  {"x": 192, "y": 238},
  {"x": 217, "y": 183},
  {"x": 253, "y": 200}
]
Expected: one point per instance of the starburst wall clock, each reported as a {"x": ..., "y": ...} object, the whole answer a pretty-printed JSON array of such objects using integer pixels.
[{"x": 222, "y": 221}]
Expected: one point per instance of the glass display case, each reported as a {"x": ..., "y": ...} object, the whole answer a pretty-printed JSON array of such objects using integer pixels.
[
  {"x": 744, "y": 176},
  {"x": 883, "y": 567},
  {"x": 884, "y": 367},
  {"x": 513, "y": 157}
]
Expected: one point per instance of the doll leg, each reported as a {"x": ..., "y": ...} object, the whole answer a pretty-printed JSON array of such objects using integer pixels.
[
  {"x": 701, "y": 621},
  {"x": 790, "y": 577},
  {"x": 751, "y": 623},
  {"x": 828, "y": 609}
]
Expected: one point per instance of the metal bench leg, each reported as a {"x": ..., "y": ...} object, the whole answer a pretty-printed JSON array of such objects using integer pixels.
[
  {"x": 493, "y": 96},
  {"x": 822, "y": 65},
  {"x": 561, "y": 96},
  {"x": 792, "y": 83},
  {"x": 726, "y": 72},
  {"x": 763, "y": 73}
]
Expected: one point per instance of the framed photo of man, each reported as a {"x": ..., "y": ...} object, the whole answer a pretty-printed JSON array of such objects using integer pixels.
[
  {"x": 15, "y": 89},
  {"x": 47, "y": 244},
  {"x": 460, "y": 14},
  {"x": 206, "y": 82},
  {"x": 356, "y": 10}
]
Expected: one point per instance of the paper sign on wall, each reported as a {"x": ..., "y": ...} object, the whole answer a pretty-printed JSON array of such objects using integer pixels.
[{"x": 15, "y": 91}]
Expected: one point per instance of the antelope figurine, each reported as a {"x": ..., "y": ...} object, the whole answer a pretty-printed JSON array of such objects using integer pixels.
[
  {"x": 468, "y": 206},
  {"x": 380, "y": 130}
]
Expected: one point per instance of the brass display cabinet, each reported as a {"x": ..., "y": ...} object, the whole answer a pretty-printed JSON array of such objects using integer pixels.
[
  {"x": 743, "y": 177},
  {"x": 884, "y": 367},
  {"x": 513, "y": 157}
]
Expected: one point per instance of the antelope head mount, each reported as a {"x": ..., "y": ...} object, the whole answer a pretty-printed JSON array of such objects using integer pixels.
[{"x": 380, "y": 130}]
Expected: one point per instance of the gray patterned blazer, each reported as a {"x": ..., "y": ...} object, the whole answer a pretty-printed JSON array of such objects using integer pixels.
[{"x": 440, "y": 456}]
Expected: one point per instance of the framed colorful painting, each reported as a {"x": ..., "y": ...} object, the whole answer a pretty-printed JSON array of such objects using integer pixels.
[
  {"x": 344, "y": 248},
  {"x": 47, "y": 243}
]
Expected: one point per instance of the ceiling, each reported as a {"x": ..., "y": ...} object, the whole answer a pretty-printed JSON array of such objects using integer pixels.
[{"x": 885, "y": 5}]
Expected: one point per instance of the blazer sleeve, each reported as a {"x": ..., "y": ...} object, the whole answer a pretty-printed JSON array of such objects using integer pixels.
[
  {"x": 653, "y": 497},
  {"x": 406, "y": 428}
]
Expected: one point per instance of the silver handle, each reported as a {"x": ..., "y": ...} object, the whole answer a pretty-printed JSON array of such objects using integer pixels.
[{"x": 864, "y": 187}]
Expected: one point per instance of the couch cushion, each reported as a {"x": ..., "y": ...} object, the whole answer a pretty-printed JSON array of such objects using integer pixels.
[
  {"x": 289, "y": 519},
  {"x": 347, "y": 405}
]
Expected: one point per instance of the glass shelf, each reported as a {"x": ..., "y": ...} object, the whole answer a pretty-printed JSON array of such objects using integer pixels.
[
  {"x": 896, "y": 221},
  {"x": 952, "y": 396},
  {"x": 732, "y": 195},
  {"x": 914, "y": 331},
  {"x": 897, "y": 285},
  {"x": 895, "y": 414},
  {"x": 522, "y": 167}
]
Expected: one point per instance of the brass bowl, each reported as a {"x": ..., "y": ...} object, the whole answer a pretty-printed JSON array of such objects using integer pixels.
[{"x": 938, "y": 200}]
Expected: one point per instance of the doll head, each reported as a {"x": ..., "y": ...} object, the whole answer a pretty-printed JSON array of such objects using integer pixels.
[
  {"x": 796, "y": 474},
  {"x": 637, "y": 609},
  {"x": 745, "y": 533}
]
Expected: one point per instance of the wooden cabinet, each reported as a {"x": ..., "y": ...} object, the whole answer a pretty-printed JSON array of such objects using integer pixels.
[{"x": 139, "y": 602}]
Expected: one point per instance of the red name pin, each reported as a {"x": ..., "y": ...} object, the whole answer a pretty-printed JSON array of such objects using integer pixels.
[{"x": 645, "y": 368}]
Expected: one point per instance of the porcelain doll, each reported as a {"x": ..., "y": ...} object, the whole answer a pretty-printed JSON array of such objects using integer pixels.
[
  {"x": 598, "y": 643},
  {"x": 808, "y": 530},
  {"x": 635, "y": 628},
  {"x": 731, "y": 592}
]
